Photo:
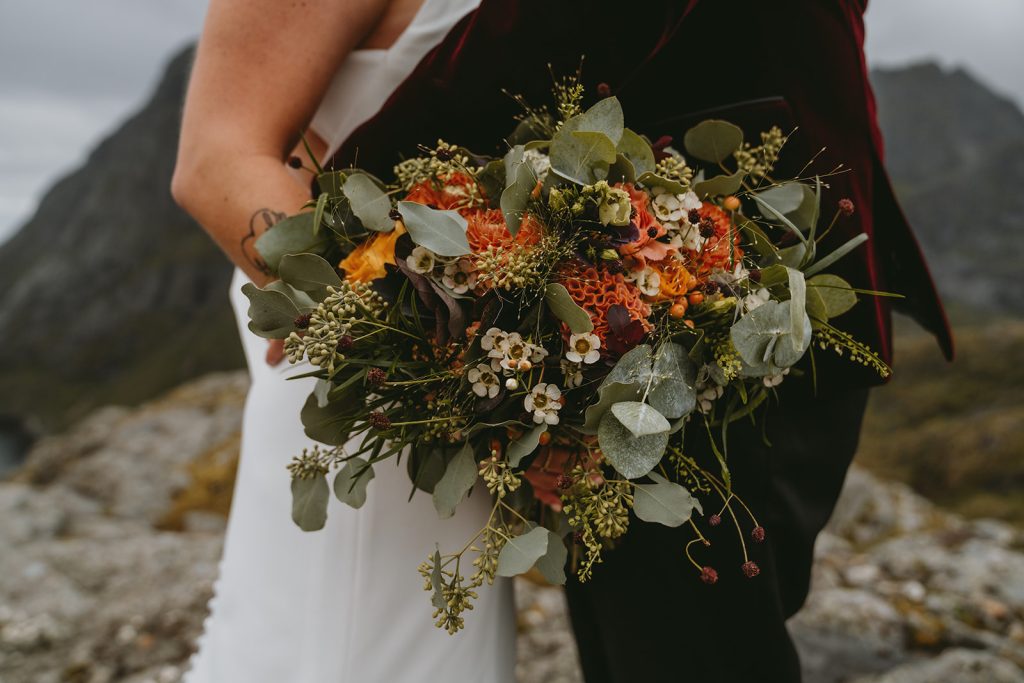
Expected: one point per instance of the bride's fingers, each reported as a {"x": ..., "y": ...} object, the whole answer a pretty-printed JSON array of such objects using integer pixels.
[{"x": 275, "y": 351}]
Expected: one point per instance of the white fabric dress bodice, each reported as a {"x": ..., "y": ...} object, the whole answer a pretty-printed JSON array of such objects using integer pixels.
[{"x": 345, "y": 603}]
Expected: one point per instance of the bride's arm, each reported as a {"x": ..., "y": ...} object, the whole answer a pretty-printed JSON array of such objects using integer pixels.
[{"x": 261, "y": 69}]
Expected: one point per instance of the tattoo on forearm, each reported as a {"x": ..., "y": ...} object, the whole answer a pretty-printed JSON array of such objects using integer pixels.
[{"x": 261, "y": 221}]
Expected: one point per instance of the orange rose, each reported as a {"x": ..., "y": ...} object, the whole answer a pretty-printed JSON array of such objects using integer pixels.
[{"x": 367, "y": 261}]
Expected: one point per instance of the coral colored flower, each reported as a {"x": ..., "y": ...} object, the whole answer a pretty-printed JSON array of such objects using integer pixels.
[
  {"x": 646, "y": 247},
  {"x": 367, "y": 261},
  {"x": 717, "y": 253},
  {"x": 453, "y": 194},
  {"x": 675, "y": 281},
  {"x": 487, "y": 228},
  {"x": 597, "y": 290}
]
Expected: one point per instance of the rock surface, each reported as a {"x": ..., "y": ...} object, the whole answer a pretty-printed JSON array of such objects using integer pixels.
[{"x": 111, "y": 535}]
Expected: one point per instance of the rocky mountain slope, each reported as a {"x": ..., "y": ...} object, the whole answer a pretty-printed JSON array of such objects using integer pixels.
[
  {"x": 111, "y": 534},
  {"x": 110, "y": 294}
]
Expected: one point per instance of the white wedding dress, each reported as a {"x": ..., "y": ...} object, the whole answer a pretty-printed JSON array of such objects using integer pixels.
[{"x": 344, "y": 604}]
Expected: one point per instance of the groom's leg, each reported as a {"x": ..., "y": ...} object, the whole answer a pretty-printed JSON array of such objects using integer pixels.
[{"x": 646, "y": 616}]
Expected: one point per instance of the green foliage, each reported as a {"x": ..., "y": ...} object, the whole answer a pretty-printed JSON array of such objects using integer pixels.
[
  {"x": 565, "y": 309},
  {"x": 351, "y": 482},
  {"x": 765, "y": 341},
  {"x": 369, "y": 203},
  {"x": 293, "y": 235},
  {"x": 520, "y": 181},
  {"x": 309, "y": 502},
  {"x": 585, "y": 145},
  {"x": 639, "y": 418},
  {"x": 637, "y": 152},
  {"x": 539, "y": 547},
  {"x": 442, "y": 232},
  {"x": 631, "y": 456},
  {"x": 524, "y": 445},
  {"x": 271, "y": 314},
  {"x": 663, "y": 502},
  {"x": 713, "y": 140},
  {"x": 720, "y": 185},
  {"x": 308, "y": 273},
  {"x": 458, "y": 479}
]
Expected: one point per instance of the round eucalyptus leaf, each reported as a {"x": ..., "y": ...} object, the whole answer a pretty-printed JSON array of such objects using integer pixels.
[
  {"x": 713, "y": 140},
  {"x": 271, "y": 314},
  {"x": 351, "y": 482},
  {"x": 835, "y": 293},
  {"x": 442, "y": 232},
  {"x": 720, "y": 185},
  {"x": 565, "y": 309},
  {"x": 369, "y": 203},
  {"x": 632, "y": 457},
  {"x": 309, "y": 502},
  {"x": 521, "y": 552},
  {"x": 551, "y": 564},
  {"x": 458, "y": 479},
  {"x": 308, "y": 272},
  {"x": 664, "y": 502},
  {"x": 640, "y": 419}
]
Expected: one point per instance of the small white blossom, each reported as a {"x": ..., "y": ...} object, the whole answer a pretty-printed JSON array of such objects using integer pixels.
[
  {"x": 689, "y": 201},
  {"x": 573, "y": 373},
  {"x": 583, "y": 348},
  {"x": 459, "y": 276},
  {"x": 668, "y": 207},
  {"x": 544, "y": 402},
  {"x": 484, "y": 381},
  {"x": 690, "y": 237},
  {"x": 516, "y": 350},
  {"x": 494, "y": 342},
  {"x": 647, "y": 280},
  {"x": 756, "y": 299},
  {"x": 421, "y": 260}
]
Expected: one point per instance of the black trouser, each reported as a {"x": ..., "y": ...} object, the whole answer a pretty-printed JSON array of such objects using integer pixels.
[{"x": 645, "y": 616}]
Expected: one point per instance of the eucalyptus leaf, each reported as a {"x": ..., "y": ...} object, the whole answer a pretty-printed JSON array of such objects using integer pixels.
[
  {"x": 640, "y": 419},
  {"x": 797, "y": 310},
  {"x": 637, "y": 151},
  {"x": 652, "y": 180},
  {"x": 293, "y": 235},
  {"x": 720, "y": 185},
  {"x": 437, "y": 582},
  {"x": 551, "y": 564},
  {"x": 351, "y": 482},
  {"x": 713, "y": 140},
  {"x": 673, "y": 394},
  {"x": 309, "y": 502},
  {"x": 770, "y": 212},
  {"x": 608, "y": 394},
  {"x": 320, "y": 392},
  {"x": 565, "y": 309},
  {"x": 271, "y": 314},
  {"x": 763, "y": 338},
  {"x": 784, "y": 198},
  {"x": 308, "y": 272},
  {"x": 318, "y": 212},
  {"x": 425, "y": 468},
  {"x": 632, "y": 457},
  {"x": 664, "y": 502},
  {"x": 331, "y": 182},
  {"x": 516, "y": 195},
  {"x": 585, "y": 145},
  {"x": 521, "y": 552},
  {"x": 369, "y": 203},
  {"x": 442, "y": 232},
  {"x": 826, "y": 261},
  {"x": 328, "y": 424},
  {"x": 524, "y": 445},
  {"x": 836, "y": 294},
  {"x": 458, "y": 479}
]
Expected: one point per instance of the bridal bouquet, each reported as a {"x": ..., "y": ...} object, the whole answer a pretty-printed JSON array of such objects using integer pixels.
[{"x": 552, "y": 323}]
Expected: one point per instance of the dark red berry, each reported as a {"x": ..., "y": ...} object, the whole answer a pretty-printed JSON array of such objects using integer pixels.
[
  {"x": 445, "y": 154},
  {"x": 346, "y": 343},
  {"x": 395, "y": 215},
  {"x": 295, "y": 162},
  {"x": 750, "y": 569},
  {"x": 652, "y": 232},
  {"x": 709, "y": 576},
  {"x": 376, "y": 377},
  {"x": 564, "y": 481},
  {"x": 693, "y": 216},
  {"x": 604, "y": 90},
  {"x": 707, "y": 228},
  {"x": 379, "y": 420},
  {"x": 714, "y": 520},
  {"x": 754, "y": 275},
  {"x": 758, "y": 534},
  {"x": 846, "y": 206},
  {"x": 302, "y": 322}
]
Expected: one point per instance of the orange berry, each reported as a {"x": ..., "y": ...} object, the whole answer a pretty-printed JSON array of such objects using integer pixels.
[
  {"x": 677, "y": 311},
  {"x": 688, "y": 323},
  {"x": 731, "y": 203},
  {"x": 496, "y": 445},
  {"x": 545, "y": 438},
  {"x": 695, "y": 298}
]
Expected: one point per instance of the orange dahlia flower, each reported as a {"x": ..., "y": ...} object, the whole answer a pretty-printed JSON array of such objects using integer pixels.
[
  {"x": 453, "y": 194},
  {"x": 717, "y": 252},
  {"x": 486, "y": 228}
]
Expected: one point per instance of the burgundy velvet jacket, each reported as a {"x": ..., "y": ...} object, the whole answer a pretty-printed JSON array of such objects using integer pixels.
[{"x": 793, "y": 63}]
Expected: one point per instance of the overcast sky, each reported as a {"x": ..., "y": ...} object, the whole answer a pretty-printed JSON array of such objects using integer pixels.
[{"x": 71, "y": 70}]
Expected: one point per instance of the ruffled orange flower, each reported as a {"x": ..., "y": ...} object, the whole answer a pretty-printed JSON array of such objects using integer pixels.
[
  {"x": 597, "y": 290},
  {"x": 646, "y": 247},
  {"x": 487, "y": 228},
  {"x": 716, "y": 253},
  {"x": 454, "y": 194},
  {"x": 366, "y": 262},
  {"x": 675, "y": 280}
]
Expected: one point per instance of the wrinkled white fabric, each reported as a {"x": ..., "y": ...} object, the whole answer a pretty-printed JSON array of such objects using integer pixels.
[{"x": 345, "y": 603}]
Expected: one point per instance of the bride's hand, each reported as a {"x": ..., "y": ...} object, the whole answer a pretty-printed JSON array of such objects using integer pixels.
[{"x": 275, "y": 352}]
